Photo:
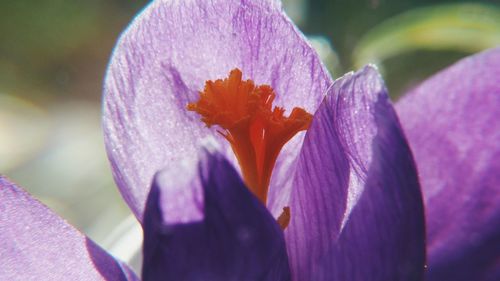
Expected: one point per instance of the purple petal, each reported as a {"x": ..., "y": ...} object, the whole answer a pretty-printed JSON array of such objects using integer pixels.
[
  {"x": 452, "y": 124},
  {"x": 164, "y": 58},
  {"x": 356, "y": 207},
  {"x": 36, "y": 244},
  {"x": 237, "y": 239}
]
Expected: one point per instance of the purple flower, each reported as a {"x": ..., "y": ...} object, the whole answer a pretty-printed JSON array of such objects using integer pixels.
[{"x": 350, "y": 181}]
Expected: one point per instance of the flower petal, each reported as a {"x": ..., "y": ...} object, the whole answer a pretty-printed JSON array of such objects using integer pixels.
[
  {"x": 164, "y": 58},
  {"x": 36, "y": 244},
  {"x": 452, "y": 124},
  {"x": 237, "y": 239},
  {"x": 356, "y": 208}
]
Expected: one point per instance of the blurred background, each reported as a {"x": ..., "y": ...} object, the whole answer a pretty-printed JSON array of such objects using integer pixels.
[{"x": 53, "y": 56}]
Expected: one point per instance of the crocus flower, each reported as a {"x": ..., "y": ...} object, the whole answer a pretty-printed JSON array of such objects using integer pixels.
[{"x": 349, "y": 184}]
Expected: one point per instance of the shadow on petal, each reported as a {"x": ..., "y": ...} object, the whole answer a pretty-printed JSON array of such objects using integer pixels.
[{"x": 237, "y": 238}]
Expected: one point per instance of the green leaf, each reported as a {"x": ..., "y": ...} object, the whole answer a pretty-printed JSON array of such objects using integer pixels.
[{"x": 455, "y": 27}]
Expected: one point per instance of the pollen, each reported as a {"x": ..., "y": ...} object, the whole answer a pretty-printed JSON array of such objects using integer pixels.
[{"x": 255, "y": 129}]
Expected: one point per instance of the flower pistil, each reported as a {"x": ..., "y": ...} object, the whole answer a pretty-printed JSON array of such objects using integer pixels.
[{"x": 256, "y": 131}]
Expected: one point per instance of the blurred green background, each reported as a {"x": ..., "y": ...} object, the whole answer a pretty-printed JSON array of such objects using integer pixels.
[{"x": 53, "y": 55}]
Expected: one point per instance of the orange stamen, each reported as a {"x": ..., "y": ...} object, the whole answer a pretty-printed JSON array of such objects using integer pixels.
[
  {"x": 284, "y": 219},
  {"x": 256, "y": 131}
]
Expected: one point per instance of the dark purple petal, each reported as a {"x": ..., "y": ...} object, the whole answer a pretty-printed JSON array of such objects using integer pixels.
[
  {"x": 356, "y": 207},
  {"x": 236, "y": 239},
  {"x": 164, "y": 58},
  {"x": 453, "y": 127},
  {"x": 36, "y": 244}
]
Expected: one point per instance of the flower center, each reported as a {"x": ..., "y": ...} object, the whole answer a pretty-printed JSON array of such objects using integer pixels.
[{"x": 256, "y": 131}]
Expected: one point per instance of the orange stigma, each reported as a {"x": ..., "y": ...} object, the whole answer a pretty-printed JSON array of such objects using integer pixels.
[{"x": 256, "y": 131}]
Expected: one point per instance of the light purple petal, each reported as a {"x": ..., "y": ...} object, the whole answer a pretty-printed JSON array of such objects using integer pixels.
[
  {"x": 164, "y": 58},
  {"x": 356, "y": 208},
  {"x": 36, "y": 244},
  {"x": 236, "y": 239},
  {"x": 453, "y": 127}
]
